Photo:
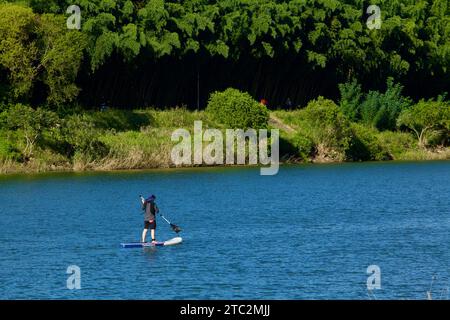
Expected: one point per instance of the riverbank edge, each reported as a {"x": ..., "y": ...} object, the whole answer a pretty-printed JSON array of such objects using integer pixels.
[
  {"x": 144, "y": 145},
  {"x": 33, "y": 167}
]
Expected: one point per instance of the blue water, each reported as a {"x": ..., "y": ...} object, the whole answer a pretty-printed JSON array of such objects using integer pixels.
[{"x": 309, "y": 232}]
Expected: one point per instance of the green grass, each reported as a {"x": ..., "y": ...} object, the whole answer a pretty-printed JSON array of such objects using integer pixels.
[
  {"x": 292, "y": 118},
  {"x": 374, "y": 144},
  {"x": 139, "y": 139}
]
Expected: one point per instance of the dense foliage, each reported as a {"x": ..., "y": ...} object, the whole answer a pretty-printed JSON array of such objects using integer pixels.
[
  {"x": 137, "y": 50},
  {"x": 353, "y": 93},
  {"x": 38, "y": 56},
  {"x": 377, "y": 109},
  {"x": 27, "y": 126},
  {"x": 237, "y": 109},
  {"x": 327, "y": 127},
  {"x": 428, "y": 118},
  {"x": 41, "y": 139}
]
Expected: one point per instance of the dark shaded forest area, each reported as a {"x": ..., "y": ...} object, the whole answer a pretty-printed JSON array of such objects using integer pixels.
[{"x": 158, "y": 53}]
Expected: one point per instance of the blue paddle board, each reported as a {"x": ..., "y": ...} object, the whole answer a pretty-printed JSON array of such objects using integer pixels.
[{"x": 170, "y": 242}]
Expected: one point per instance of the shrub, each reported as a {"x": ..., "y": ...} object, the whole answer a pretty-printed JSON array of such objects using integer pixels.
[
  {"x": 381, "y": 110},
  {"x": 237, "y": 109},
  {"x": 29, "y": 123},
  {"x": 80, "y": 132},
  {"x": 365, "y": 145},
  {"x": 8, "y": 151},
  {"x": 350, "y": 99},
  {"x": 304, "y": 146},
  {"x": 429, "y": 120},
  {"x": 397, "y": 143},
  {"x": 327, "y": 127}
]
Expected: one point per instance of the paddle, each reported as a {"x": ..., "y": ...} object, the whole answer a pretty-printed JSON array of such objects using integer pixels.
[{"x": 173, "y": 226}]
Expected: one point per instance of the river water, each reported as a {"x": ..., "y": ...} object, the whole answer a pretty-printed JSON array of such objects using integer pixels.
[{"x": 309, "y": 232}]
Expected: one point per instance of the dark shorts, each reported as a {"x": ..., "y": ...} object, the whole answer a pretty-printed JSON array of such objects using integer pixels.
[{"x": 150, "y": 225}]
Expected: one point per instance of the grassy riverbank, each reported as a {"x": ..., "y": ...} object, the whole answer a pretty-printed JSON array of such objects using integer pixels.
[
  {"x": 114, "y": 139},
  {"x": 141, "y": 139},
  {"x": 344, "y": 92}
]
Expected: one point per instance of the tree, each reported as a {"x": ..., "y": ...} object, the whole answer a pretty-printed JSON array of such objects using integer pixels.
[
  {"x": 28, "y": 122},
  {"x": 425, "y": 117},
  {"x": 18, "y": 49},
  {"x": 61, "y": 56},
  {"x": 39, "y": 49},
  {"x": 275, "y": 41}
]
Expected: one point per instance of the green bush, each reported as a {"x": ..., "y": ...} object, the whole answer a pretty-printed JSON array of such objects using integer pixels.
[
  {"x": 365, "y": 145},
  {"x": 29, "y": 124},
  {"x": 237, "y": 109},
  {"x": 397, "y": 143},
  {"x": 304, "y": 146},
  {"x": 82, "y": 135},
  {"x": 8, "y": 150},
  {"x": 350, "y": 100},
  {"x": 381, "y": 110},
  {"x": 327, "y": 127},
  {"x": 47, "y": 158},
  {"x": 429, "y": 120}
]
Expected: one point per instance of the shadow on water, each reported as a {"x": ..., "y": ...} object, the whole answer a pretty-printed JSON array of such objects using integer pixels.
[{"x": 150, "y": 253}]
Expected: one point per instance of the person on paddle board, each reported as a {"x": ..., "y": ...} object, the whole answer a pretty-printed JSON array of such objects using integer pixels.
[{"x": 150, "y": 210}]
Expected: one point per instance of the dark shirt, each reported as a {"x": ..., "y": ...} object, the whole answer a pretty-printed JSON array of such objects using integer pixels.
[{"x": 151, "y": 209}]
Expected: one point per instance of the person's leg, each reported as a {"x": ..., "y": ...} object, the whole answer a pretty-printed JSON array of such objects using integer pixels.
[
  {"x": 152, "y": 231},
  {"x": 144, "y": 234}
]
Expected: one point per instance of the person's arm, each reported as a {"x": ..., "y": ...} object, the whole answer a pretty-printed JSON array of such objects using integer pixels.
[{"x": 143, "y": 203}]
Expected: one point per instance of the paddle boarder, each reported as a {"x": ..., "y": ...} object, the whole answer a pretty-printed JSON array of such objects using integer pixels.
[{"x": 150, "y": 210}]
